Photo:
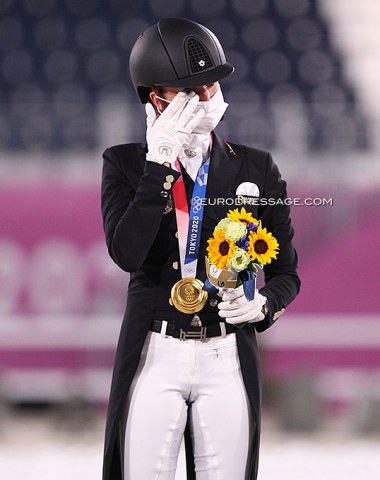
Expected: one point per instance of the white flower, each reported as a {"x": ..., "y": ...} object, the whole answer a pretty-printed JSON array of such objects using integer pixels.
[
  {"x": 223, "y": 224},
  {"x": 235, "y": 231},
  {"x": 239, "y": 260}
]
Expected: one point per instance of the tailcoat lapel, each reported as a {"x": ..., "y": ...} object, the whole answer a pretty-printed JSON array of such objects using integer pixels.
[{"x": 225, "y": 166}]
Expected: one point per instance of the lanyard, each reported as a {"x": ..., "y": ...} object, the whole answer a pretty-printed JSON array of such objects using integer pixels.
[{"x": 189, "y": 220}]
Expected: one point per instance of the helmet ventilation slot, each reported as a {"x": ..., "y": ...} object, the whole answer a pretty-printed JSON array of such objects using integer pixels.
[{"x": 198, "y": 57}]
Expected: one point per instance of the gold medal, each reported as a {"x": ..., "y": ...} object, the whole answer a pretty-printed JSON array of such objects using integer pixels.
[{"x": 188, "y": 296}]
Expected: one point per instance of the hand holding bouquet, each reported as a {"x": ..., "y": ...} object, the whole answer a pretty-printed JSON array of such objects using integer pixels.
[{"x": 237, "y": 250}]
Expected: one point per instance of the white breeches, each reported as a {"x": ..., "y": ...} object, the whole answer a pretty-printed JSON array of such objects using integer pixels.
[{"x": 173, "y": 374}]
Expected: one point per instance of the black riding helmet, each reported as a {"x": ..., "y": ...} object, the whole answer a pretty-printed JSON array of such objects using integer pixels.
[{"x": 178, "y": 53}]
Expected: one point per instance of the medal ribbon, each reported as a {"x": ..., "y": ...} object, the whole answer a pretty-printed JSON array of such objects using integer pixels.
[{"x": 189, "y": 220}]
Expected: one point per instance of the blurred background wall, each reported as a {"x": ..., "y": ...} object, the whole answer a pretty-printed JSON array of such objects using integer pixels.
[{"x": 305, "y": 87}]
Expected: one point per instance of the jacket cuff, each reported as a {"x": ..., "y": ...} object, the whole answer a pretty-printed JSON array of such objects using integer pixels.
[{"x": 271, "y": 317}]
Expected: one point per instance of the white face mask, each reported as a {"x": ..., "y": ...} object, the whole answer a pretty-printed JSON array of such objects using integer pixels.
[{"x": 214, "y": 111}]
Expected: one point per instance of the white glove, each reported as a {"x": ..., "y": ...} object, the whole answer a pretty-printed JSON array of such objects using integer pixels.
[
  {"x": 235, "y": 308},
  {"x": 151, "y": 117},
  {"x": 167, "y": 133}
]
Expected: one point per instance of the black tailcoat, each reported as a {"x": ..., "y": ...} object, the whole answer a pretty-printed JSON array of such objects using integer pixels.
[{"x": 142, "y": 240}]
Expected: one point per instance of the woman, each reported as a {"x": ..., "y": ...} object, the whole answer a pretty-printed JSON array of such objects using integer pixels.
[{"x": 182, "y": 366}]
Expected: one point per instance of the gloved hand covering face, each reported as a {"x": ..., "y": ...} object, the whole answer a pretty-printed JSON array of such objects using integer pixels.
[
  {"x": 214, "y": 111},
  {"x": 167, "y": 133}
]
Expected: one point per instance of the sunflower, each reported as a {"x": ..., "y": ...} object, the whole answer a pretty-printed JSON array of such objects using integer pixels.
[
  {"x": 220, "y": 249},
  {"x": 242, "y": 216},
  {"x": 262, "y": 246}
]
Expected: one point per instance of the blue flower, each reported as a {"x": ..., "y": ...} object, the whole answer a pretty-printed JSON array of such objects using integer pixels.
[
  {"x": 243, "y": 242},
  {"x": 252, "y": 227}
]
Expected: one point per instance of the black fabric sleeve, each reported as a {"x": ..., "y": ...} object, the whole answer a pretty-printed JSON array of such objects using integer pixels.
[
  {"x": 282, "y": 283},
  {"x": 132, "y": 207}
]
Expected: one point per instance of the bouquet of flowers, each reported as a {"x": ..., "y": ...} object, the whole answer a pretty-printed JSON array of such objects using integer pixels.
[{"x": 237, "y": 250}]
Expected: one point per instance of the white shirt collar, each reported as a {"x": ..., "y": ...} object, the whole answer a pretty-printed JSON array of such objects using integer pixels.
[{"x": 196, "y": 148}]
